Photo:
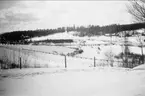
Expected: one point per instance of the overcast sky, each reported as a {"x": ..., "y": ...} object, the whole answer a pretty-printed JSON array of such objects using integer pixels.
[{"x": 24, "y": 15}]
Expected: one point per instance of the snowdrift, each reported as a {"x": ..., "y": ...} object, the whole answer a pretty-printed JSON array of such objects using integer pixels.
[{"x": 140, "y": 67}]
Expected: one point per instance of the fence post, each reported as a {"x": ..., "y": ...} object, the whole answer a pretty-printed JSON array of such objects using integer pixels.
[
  {"x": 20, "y": 63},
  {"x": 94, "y": 61},
  {"x": 0, "y": 66},
  {"x": 65, "y": 61}
]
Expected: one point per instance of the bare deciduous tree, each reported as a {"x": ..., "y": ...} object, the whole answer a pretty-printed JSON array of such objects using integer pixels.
[
  {"x": 140, "y": 40},
  {"x": 137, "y": 10}
]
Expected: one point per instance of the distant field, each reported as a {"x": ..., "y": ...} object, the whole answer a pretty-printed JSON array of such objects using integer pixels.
[
  {"x": 43, "y": 48},
  {"x": 52, "y": 56}
]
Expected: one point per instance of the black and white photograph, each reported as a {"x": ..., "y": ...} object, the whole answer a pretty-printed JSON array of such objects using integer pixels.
[{"x": 72, "y": 48}]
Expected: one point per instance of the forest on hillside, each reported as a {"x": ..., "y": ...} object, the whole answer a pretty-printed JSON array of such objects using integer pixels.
[{"x": 19, "y": 37}]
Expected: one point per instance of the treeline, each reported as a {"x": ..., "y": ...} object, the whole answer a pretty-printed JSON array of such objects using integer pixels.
[
  {"x": 19, "y": 37},
  {"x": 53, "y": 41},
  {"x": 91, "y": 30},
  {"x": 108, "y": 29}
]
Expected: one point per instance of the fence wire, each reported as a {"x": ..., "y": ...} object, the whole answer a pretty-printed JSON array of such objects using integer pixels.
[{"x": 36, "y": 58}]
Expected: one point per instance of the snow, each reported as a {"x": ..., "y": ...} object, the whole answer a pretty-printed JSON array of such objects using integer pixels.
[
  {"x": 94, "y": 40},
  {"x": 70, "y": 35},
  {"x": 42, "y": 48},
  {"x": 67, "y": 82},
  {"x": 140, "y": 67},
  {"x": 63, "y": 35},
  {"x": 96, "y": 46},
  {"x": 79, "y": 79}
]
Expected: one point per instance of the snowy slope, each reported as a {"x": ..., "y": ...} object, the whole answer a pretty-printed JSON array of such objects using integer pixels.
[
  {"x": 87, "y": 82},
  {"x": 140, "y": 67},
  {"x": 63, "y": 35}
]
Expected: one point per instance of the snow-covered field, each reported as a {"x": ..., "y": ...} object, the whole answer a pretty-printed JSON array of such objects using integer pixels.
[
  {"x": 96, "y": 46},
  {"x": 80, "y": 78},
  {"x": 72, "y": 82},
  {"x": 43, "y": 48},
  {"x": 34, "y": 58}
]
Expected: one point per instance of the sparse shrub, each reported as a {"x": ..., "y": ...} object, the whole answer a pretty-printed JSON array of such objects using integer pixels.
[
  {"x": 80, "y": 51},
  {"x": 77, "y": 51},
  {"x": 13, "y": 65},
  {"x": 132, "y": 58},
  {"x": 1, "y": 63},
  {"x": 46, "y": 66},
  {"x": 25, "y": 66},
  {"x": 37, "y": 66},
  {"x": 109, "y": 57}
]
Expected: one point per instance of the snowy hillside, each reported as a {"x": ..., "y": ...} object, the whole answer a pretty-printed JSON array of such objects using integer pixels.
[
  {"x": 71, "y": 35},
  {"x": 61, "y": 82},
  {"x": 96, "y": 46},
  {"x": 63, "y": 35}
]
